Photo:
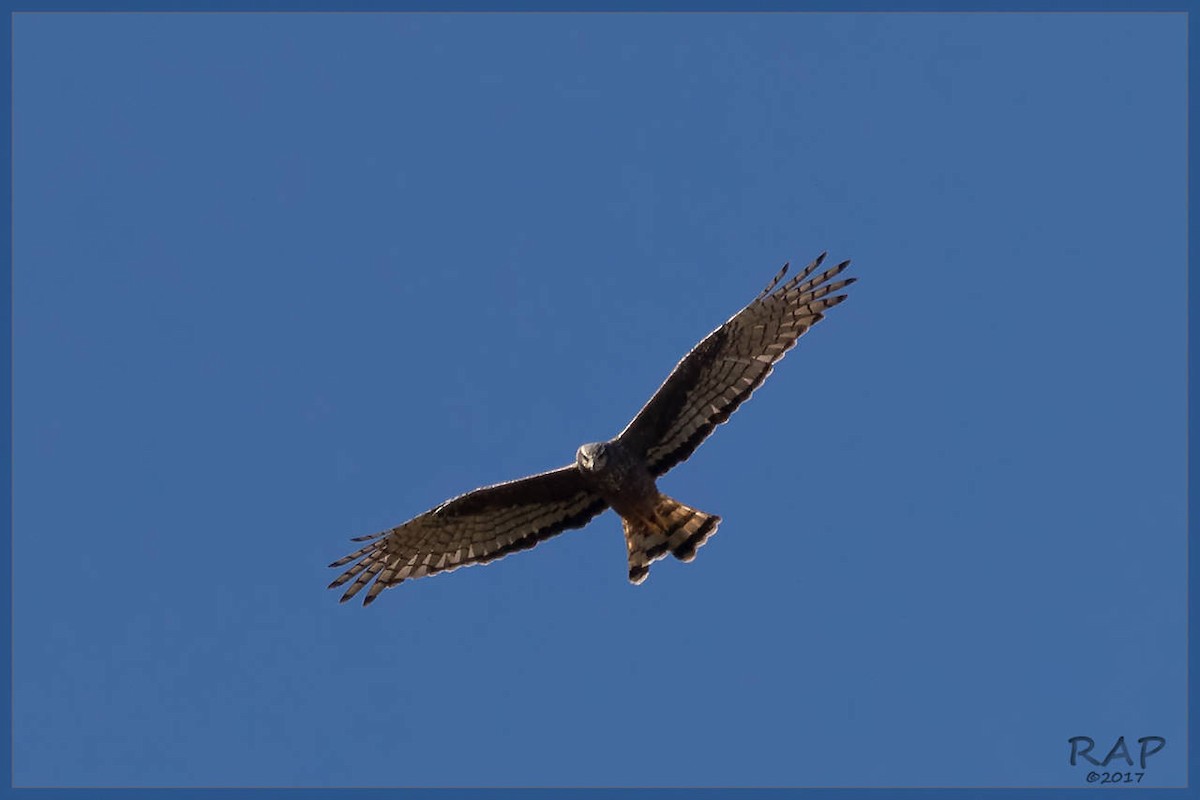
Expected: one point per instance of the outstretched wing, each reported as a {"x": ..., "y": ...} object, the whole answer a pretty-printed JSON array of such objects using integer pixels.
[
  {"x": 473, "y": 528},
  {"x": 721, "y": 372}
]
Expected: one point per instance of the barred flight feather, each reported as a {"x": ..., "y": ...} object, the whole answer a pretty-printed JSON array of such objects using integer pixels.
[{"x": 721, "y": 372}]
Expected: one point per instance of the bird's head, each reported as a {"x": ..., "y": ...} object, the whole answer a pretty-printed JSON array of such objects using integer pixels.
[{"x": 592, "y": 457}]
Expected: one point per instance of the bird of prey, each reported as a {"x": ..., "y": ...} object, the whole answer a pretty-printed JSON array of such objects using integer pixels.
[{"x": 711, "y": 381}]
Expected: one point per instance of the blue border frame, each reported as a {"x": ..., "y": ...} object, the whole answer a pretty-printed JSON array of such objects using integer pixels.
[{"x": 6, "y": 31}]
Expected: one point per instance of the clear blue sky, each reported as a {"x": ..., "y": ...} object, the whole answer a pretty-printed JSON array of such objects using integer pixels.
[{"x": 283, "y": 280}]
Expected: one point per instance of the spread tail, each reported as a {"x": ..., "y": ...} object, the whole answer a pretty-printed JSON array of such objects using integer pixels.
[{"x": 673, "y": 528}]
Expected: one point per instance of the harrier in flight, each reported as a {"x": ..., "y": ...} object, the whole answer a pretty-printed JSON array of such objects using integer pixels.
[{"x": 711, "y": 381}]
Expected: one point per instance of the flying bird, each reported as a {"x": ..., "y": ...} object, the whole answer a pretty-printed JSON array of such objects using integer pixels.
[{"x": 708, "y": 385}]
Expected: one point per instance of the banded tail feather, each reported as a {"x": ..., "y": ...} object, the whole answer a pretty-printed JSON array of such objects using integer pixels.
[{"x": 674, "y": 528}]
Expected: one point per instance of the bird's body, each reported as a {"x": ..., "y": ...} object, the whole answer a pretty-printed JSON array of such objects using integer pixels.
[
  {"x": 617, "y": 475},
  {"x": 711, "y": 381},
  {"x": 654, "y": 523}
]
